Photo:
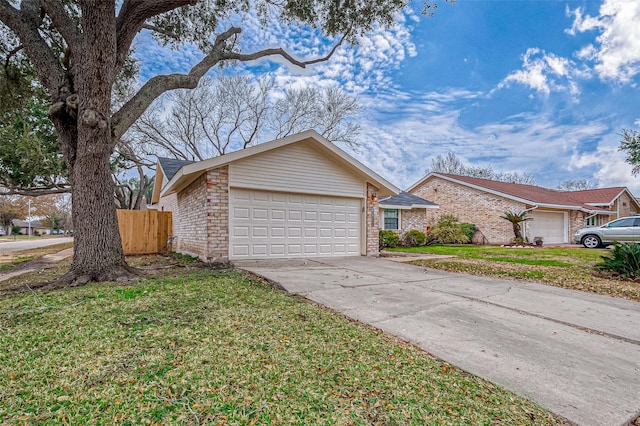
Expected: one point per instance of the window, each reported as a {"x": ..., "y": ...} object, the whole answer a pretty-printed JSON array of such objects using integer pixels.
[
  {"x": 390, "y": 219},
  {"x": 593, "y": 221},
  {"x": 622, "y": 223}
]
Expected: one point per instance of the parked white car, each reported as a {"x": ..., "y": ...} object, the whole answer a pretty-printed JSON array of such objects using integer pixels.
[{"x": 623, "y": 230}]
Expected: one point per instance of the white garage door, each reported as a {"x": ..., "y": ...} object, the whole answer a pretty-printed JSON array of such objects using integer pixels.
[
  {"x": 548, "y": 225},
  {"x": 275, "y": 224}
]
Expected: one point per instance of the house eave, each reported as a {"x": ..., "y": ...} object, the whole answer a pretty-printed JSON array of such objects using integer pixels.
[
  {"x": 413, "y": 206},
  {"x": 189, "y": 173}
]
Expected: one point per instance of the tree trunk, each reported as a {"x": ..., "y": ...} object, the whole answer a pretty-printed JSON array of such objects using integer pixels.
[
  {"x": 98, "y": 254},
  {"x": 517, "y": 231}
]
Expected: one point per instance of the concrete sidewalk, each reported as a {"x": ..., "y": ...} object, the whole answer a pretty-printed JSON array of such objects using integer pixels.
[
  {"x": 44, "y": 262},
  {"x": 576, "y": 354}
]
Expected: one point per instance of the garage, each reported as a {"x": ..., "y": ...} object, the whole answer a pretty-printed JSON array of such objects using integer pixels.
[
  {"x": 548, "y": 225},
  {"x": 296, "y": 197},
  {"x": 277, "y": 224}
]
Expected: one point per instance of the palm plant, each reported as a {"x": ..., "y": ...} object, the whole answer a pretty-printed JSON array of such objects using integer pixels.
[{"x": 516, "y": 219}]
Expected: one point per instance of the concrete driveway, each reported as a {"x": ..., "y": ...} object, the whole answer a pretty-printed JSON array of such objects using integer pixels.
[{"x": 574, "y": 353}]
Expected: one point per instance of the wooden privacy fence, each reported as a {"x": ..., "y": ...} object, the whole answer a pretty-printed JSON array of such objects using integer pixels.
[{"x": 145, "y": 231}]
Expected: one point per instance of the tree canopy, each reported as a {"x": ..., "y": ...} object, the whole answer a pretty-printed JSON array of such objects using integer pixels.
[
  {"x": 630, "y": 144},
  {"x": 80, "y": 49}
]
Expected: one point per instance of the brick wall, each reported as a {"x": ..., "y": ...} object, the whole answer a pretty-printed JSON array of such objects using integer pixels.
[
  {"x": 372, "y": 217},
  {"x": 218, "y": 214},
  {"x": 469, "y": 205},
  {"x": 576, "y": 221},
  {"x": 191, "y": 230},
  {"x": 170, "y": 204},
  {"x": 413, "y": 219},
  {"x": 623, "y": 206},
  {"x": 201, "y": 216}
]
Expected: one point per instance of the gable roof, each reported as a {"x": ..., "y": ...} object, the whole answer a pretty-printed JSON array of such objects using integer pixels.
[
  {"x": 587, "y": 200},
  {"x": 188, "y": 173},
  {"x": 25, "y": 224},
  {"x": 598, "y": 197},
  {"x": 165, "y": 168},
  {"x": 405, "y": 200},
  {"x": 171, "y": 165}
]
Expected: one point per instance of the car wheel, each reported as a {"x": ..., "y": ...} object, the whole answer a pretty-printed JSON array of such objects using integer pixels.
[{"x": 591, "y": 241}]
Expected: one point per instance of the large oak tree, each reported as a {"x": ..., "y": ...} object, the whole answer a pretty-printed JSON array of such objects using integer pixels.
[{"x": 79, "y": 48}]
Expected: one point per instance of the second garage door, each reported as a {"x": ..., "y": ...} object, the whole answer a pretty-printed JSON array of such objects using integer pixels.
[
  {"x": 274, "y": 224},
  {"x": 548, "y": 225}
]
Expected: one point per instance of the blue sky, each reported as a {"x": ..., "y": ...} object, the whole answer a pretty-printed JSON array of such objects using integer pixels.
[{"x": 538, "y": 86}]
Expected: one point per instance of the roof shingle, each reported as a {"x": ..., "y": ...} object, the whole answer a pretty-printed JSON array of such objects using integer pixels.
[
  {"x": 170, "y": 166},
  {"x": 538, "y": 195},
  {"x": 407, "y": 200}
]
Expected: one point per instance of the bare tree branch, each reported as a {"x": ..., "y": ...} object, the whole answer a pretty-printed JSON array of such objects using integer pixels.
[
  {"x": 161, "y": 31},
  {"x": 36, "y": 192},
  {"x": 156, "y": 86}
]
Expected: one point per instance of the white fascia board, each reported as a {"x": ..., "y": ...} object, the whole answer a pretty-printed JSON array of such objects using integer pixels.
[
  {"x": 413, "y": 206},
  {"x": 157, "y": 191}
]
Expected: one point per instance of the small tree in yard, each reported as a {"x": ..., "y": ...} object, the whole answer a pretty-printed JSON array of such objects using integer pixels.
[
  {"x": 80, "y": 49},
  {"x": 516, "y": 219}
]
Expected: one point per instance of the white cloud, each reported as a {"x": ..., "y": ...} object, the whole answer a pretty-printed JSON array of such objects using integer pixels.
[
  {"x": 406, "y": 131},
  {"x": 616, "y": 53},
  {"x": 366, "y": 66},
  {"x": 608, "y": 167},
  {"x": 545, "y": 72}
]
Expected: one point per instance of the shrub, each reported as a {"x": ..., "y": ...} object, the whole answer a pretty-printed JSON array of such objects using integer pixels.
[
  {"x": 16, "y": 230},
  {"x": 448, "y": 231},
  {"x": 624, "y": 260},
  {"x": 414, "y": 238},
  {"x": 388, "y": 238},
  {"x": 469, "y": 229}
]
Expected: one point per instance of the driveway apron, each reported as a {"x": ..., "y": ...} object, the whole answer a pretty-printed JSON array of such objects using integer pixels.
[{"x": 576, "y": 354}]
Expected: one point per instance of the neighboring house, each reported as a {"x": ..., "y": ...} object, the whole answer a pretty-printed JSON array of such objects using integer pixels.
[
  {"x": 36, "y": 227},
  {"x": 300, "y": 196},
  {"x": 404, "y": 212},
  {"x": 556, "y": 215}
]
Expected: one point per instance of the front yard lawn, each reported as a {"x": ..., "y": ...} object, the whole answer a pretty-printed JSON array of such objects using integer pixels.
[
  {"x": 558, "y": 266},
  {"x": 195, "y": 345}
]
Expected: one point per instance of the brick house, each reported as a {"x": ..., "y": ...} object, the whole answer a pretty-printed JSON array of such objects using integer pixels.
[
  {"x": 556, "y": 215},
  {"x": 299, "y": 196},
  {"x": 404, "y": 212}
]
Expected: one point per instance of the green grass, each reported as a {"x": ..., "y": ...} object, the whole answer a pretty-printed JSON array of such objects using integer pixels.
[
  {"x": 16, "y": 261},
  {"x": 572, "y": 268},
  {"x": 218, "y": 347},
  {"x": 470, "y": 251}
]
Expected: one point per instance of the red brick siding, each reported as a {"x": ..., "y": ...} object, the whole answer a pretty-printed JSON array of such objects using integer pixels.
[
  {"x": 373, "y": 221},
  {"x": 469, "y": 205}
]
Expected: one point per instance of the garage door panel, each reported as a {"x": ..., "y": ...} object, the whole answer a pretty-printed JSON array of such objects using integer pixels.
[
  {"x": 267, "y": 224},
  {"x": 260, "y": 214},
  {"x": 548, "y": 225}
]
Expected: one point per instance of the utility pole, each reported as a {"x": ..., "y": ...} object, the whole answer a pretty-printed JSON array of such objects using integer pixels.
[{"x": 29, "y": 217}]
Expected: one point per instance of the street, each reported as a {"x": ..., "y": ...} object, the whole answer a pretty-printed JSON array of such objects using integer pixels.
[{"x": 35, "y": 242}]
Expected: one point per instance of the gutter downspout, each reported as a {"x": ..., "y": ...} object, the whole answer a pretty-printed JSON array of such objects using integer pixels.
[{"x": 526, "y": 228}]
